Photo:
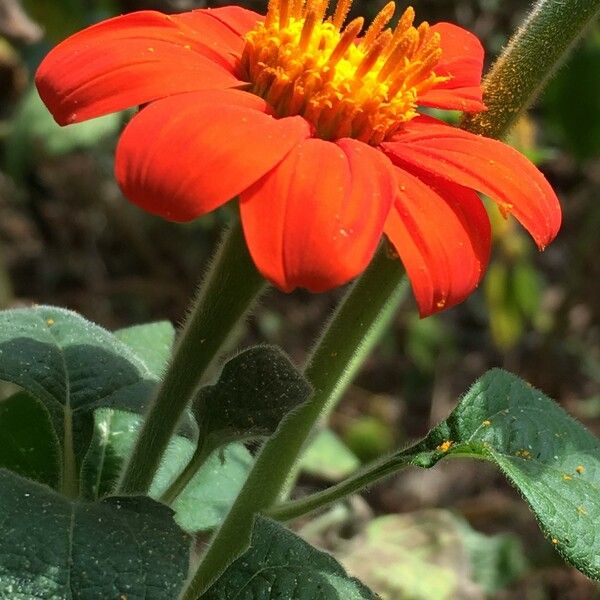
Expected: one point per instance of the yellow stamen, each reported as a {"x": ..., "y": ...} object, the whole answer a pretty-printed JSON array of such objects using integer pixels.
[
  {"x": 307, "y": 30},
  {"x": 303, "y": 63},
  {"x": 341, "y": 12},
  {"x": 319, "y": 7},
  {"x": 284, "y": 13},
  {"x": 379, "y": 22},
  {"x": 297, "y": 8},
  {"x": 272, "y": 12},
  {"x": 395, "y": 61},
  {"x": 368, "y": 62},
  {"x": 404, "y": 24},
  {"x": 323, "y": 6},
  {"x": 350, "y": 34}
]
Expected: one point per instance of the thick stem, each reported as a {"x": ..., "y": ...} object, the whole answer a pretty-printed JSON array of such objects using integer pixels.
[
  {"x": 353, "y": 330},
  {"x": 226, "y": 295},
  {"x": 532, "y": 56}
]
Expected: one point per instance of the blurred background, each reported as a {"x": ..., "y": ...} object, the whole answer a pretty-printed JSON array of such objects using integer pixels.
[{"x": 67, "y": 237}]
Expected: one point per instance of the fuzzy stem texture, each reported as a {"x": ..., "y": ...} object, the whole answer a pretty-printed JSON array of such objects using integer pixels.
[
  {"x": 347, "y": 340},
  {"x": 227, "y": 293},
  {"x": 532, "y": 56}
]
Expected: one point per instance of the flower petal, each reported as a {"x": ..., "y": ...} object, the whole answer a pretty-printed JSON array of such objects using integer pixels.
[
  {"x": 483, "y": 164},
  {"x": 315, "y": 220},
  {"x": 225, "y": 26},
  {"x": 441, "y": 232},
  {"x": 131, "y": 60},
  {"x": 462, "y": 60},
  {"x": 239, "y": 20},
  {"x": 186, "y": 155}
]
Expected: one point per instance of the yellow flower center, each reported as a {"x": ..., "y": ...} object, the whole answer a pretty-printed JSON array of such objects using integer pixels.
[{"x": 365, "y": 87}]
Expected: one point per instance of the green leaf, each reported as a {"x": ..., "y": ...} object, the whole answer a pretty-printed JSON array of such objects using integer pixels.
[
  {"x": 151, "y": 342},
  {"x": 328, "y": 457},
  {"x": 279, "y": 564},
  {"x": 431, "y": 555},
  {"x": 54, "y": 548},
  {"x": 207, "y": 498},
  {"x": 547, "y": 455},
  {"x": 28, "y": 443},
  {"x": 256, "y": 389},
  {"x": 73, "y": 367}
]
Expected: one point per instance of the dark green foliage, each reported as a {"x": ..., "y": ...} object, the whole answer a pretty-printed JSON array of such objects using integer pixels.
[
  {"x": 54, "y": 548},
  {"x": 281, "y": 566}
]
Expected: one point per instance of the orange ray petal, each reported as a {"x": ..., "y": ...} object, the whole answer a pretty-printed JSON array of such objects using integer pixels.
[
  {"x": 482, "y": 164},
  {"x": 134, "y": 59},
  {"x": 186, "y": 155},
  {"x": 462, "y": 60},
  {"x": 315, "y": 220},
  {"x": 239, "y": 20},
  {"x": 441, "y": 232}
]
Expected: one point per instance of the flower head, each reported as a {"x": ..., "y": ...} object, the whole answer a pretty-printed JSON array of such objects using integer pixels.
[{"x": 316, "y": 126}]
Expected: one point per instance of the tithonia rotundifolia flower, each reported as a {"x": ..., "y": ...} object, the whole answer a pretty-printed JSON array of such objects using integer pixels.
[{"x": 317, "y": 125}]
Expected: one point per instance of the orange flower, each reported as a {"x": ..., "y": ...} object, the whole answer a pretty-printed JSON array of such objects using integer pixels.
[{"x": 317, "y": 129}]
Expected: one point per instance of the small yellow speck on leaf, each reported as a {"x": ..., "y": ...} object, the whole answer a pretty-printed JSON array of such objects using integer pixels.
[
  {"x": 445, "y": 446},
  {"x": 49, "y": 322},
  {"x": 567, "y": 477},
  {"x": 581, "y": 510},
  {"x": 554, "y": 541},
  {"x": 523, "y": 454},
  {"x": 487, "y": 423},
  {"x": 580, "y": 469}
]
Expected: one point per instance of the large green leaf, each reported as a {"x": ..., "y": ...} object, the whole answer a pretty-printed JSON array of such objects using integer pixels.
[
  {"x": 279, "y": 564},
  {"x": 547, "y": 455},
  {"x": 151, "y": 342},
  {"x": 115, "y": 431},
  {"x": 551, "y": 458},
  {"x": 207, "y": 498},
  {"x": 73, "y": 367},
  {"x": 28, "y": 443},
  {"x": 255, "y": 390},
  {"x": 54, "y": 548}
]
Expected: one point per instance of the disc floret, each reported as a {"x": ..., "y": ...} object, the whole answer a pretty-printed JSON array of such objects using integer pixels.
[{"x": 304, "y": 63}]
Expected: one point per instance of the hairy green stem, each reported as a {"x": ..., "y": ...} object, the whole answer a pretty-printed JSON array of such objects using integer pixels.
[
  {"x": 354, "y": 328},
  {"x": 365, "y": 477},
  {"x": 226, "y": 295},
  {"x": 532, "y": 56}
]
